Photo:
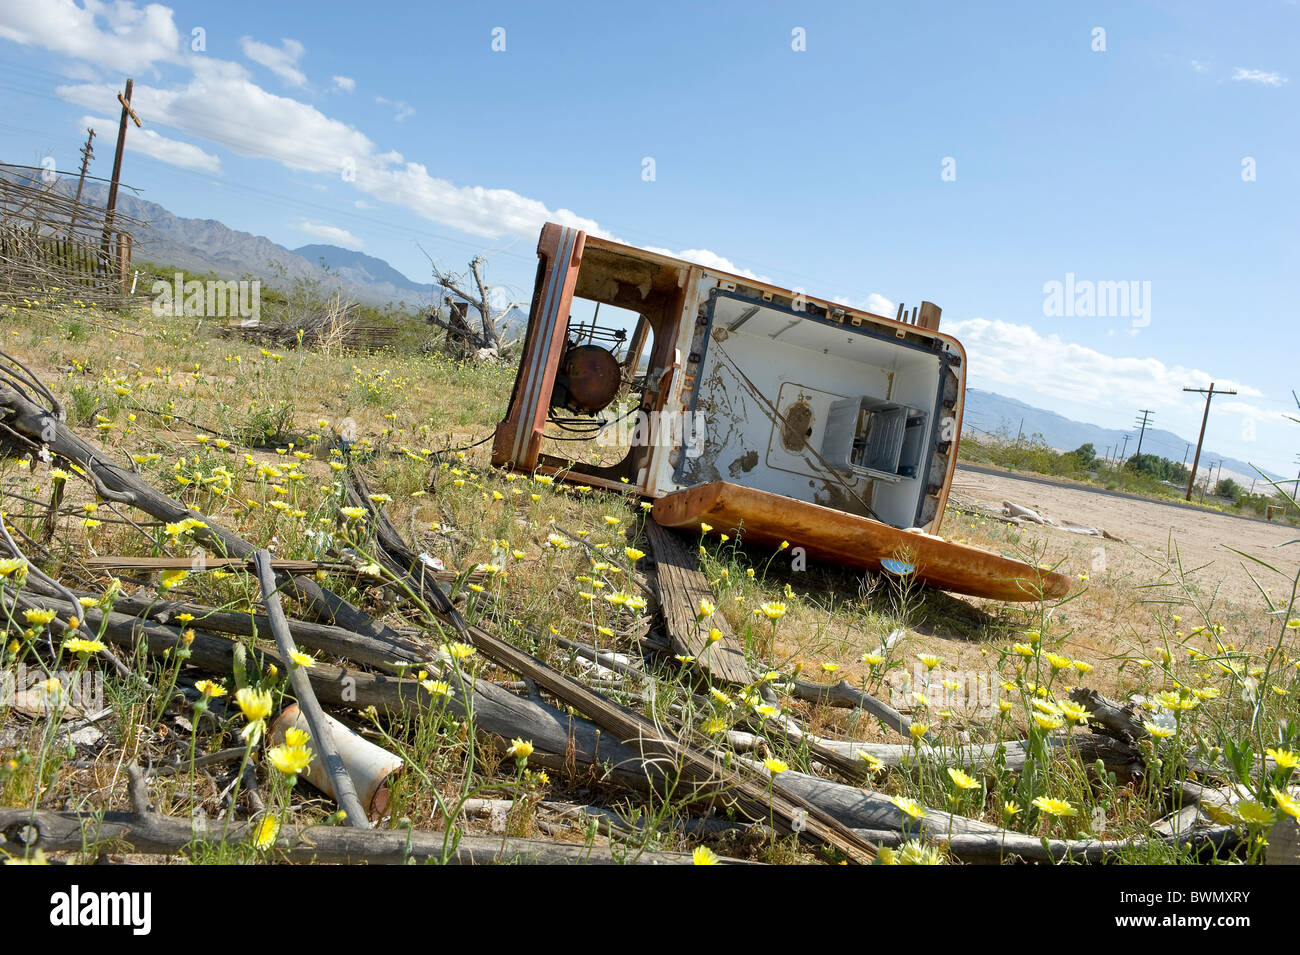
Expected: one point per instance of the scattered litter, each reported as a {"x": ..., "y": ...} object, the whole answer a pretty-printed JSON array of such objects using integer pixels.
[{"x": 1021, "y": 515}]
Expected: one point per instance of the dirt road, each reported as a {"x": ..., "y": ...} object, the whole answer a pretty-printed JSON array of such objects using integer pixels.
[{"x": 1145, "y": 527}]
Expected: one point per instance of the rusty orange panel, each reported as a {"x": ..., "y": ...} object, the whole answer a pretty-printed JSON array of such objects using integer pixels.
[
  {"x": 519, "y": 436},
  {"x": 834, "y": 536}
]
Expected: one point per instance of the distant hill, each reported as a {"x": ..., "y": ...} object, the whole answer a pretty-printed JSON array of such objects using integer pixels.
[
  {"x": 997, "y": 414},
  {"x": 207, "y": 245},
  {"x": 361, "y": 268}
]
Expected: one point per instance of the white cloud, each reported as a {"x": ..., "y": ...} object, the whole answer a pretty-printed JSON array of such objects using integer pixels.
[
  {"x": 329, "y": 233},
  {"x": 1263, "y": 77},
  {"x": 874, "y": 303},
  {"x": 220, "y": 103},
  {"x": 80, "y": 72},
  {"x": 282, "y": 60},
  {"x": 1199, "y": 67},
  {"x": 1243, "y": 410},
  {"x": 344, "y": 84},
  {"x": 401, "y": 109},
  {"x": 880, "y": 305},
  {"x": 710, "y": 260},
  {"x": 119, "y": 36},
  {"x": 1005, "y": 354},
  {"x": 172, "y": 151}
]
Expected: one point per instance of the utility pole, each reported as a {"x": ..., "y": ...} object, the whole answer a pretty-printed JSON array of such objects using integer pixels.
[
  {"x": 127, "y": 113},
  {"x": 1142, "y": 425},
  {"x": 87, "y": 154},
  {"x": 1209, "y": 396},
  {"x": 1122, "y": 450}
]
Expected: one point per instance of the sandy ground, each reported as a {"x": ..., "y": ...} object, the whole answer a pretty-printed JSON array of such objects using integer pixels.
[{"x": 1145, "y": 528}]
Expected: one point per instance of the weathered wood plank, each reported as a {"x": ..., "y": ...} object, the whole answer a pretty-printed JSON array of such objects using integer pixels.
[{"x": 681, "y": 586}]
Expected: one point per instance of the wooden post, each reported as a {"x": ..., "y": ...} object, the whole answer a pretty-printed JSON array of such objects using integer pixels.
[
  {"x": 127, "y": 112},
  {"x": 124, "y": 261},
  {"x": 87, "y": 154},
  {"x": 930, "y": 316},
  {"x": 1209, "y": 394},
  {"x": 635, "y": 347}
]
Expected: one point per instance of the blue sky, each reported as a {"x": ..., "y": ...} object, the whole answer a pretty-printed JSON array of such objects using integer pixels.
[{"x": 969, "y": 154}]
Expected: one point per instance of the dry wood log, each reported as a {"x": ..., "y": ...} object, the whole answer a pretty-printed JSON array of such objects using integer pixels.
[
  {"x": 495, "y": 710},
  {"x": 864, "y": 809},
  {"x": 1283, "y": 843},
  {"x": 847, "y": 695},
  {"x": 1122, "y": 720},
  {"x": 337, "y": 641},
  {"x": 870, "y": 813},
  {"x": 150, "y": 564},
  {"x": 1125, "y": 722},
  {"x": 606, "y": 658},
  {"x": 1184, "y": 819},
  {"x": 24, "y": 831},
  {"x": 695, "y": 766},
  {"x": 1005, "y": 846},
  {"x": 1013, "y": 753},
  {"x": 609, "y": 822}
]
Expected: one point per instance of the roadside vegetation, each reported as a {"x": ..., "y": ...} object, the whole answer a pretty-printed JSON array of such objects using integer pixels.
[{"x": 1148, "y": 476}]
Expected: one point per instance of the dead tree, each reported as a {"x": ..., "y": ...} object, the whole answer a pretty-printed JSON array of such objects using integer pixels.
[{"x": 462, "y": 336}]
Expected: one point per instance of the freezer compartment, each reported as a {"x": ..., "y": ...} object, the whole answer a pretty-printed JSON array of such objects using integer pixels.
[{"x": 874, "y": 438}]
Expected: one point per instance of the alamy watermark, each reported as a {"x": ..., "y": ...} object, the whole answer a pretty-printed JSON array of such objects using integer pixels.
[
  {"x": 75, "y": 907},
  {"x": 36, "y": 690},
  {"x": 1084, "y": 298},
  {"x": 212, "y": 298},
  {"x": 654, "y": 429},
  {"x": 964, "y": 692}
]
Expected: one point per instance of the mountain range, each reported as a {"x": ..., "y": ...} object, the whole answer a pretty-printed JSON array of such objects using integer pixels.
[
  {"x": 999, "y": 415},
  {"x": 206, "y": 245}
]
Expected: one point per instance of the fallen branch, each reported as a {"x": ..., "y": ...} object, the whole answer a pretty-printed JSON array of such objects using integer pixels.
[
  {"x": 1123, "y": 721},
  {"x": 345, "y": 792},
  {"x": 846, "y": 695},
  {"x": 361, "y": 648}
]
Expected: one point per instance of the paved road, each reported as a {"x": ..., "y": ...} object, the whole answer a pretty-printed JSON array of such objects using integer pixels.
[{"x": 1089, "y": 489}]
